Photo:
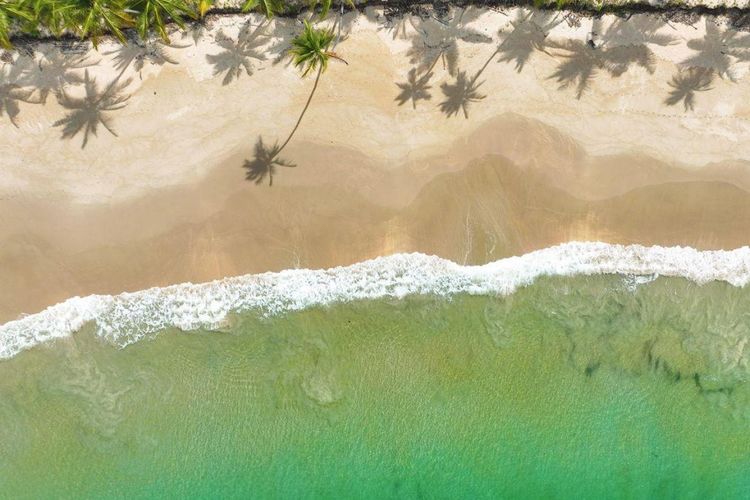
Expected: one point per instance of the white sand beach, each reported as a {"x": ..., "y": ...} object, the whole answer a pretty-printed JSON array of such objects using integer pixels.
[{"x": 519, "y": 136}]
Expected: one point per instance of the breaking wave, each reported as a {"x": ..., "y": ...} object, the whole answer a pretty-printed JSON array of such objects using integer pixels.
[{"x": 127, "y": 317}]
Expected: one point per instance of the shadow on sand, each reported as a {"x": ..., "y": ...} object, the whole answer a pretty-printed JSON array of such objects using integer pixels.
[
  {"x": 264, "y": 163},
  {"x": 86, "y": 113},
  {"x": 686, "y": 83},
  {"x": 238, "y": 54},
  {"x": 137, "y": 53}
]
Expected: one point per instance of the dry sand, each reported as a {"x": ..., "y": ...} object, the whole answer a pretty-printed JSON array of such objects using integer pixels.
[{"x": 531, "y": 163}]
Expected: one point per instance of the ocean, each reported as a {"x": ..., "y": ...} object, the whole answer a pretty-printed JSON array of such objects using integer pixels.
[{"x": 584, "y": 370}]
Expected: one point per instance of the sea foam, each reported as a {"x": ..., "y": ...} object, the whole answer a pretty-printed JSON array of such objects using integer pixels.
[{"x": 127, "y": 317}]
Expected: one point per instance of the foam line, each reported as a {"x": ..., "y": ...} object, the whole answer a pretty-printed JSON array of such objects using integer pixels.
[{"x": 127, "y": 317}]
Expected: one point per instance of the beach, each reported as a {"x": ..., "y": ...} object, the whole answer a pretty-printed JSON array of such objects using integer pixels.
[
  {"x": 486, "y": 252},
  {"x": 528, "y": 164}
]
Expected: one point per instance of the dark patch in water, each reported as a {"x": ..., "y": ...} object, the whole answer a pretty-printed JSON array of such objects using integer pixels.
[{"x": 591, "y": 368}]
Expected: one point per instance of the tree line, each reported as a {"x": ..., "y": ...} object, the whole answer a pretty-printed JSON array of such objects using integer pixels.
[{"x": 93, "y": 19}]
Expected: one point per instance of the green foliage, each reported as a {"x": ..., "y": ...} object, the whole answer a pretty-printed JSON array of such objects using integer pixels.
[
  {"x": 265, "y": 7},
  {"x": 310, "y": 49},
  {"x": 54, "y": 15},
  {"x": 96, "y": 18},
  {"x": 325, "y": 6},
  {"x": 153, "y": 14},
  {"x": 10, "y": 13},
  {"x": 93, "y": 19}
]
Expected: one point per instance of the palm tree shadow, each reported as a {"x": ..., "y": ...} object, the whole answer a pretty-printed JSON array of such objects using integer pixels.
[
  {"x": 437, "y": 39},
  {"x": 237, "y": 55},
  {"x": 10, "y": 95},
  {"x": 88, "y": 112},
  {"x": 529, "y": 34},
  {"x": 686, "y": 83},
  {"x": 620, "y": 58},
  {"x": 396, "y": 23},
  {"x": 718, "y": 50},
  {"x": 580, "y": 66},
  {"x": 264, "y": 163},
  {"x": 638, "y": 30},
  {"x": 460, "y": 95},
  {"x": 137, "y": 53},
  {"x": 19, "y": 68},
  {"x": 415, "y": 88},
  {"x": 55, "y": 71}
]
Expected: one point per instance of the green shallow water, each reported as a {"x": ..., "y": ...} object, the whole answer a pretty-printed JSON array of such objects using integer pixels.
[{"x": 571, "y": 388}]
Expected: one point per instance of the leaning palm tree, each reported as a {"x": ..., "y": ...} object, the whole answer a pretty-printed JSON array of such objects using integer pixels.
[{"x": 310, "y": 52}]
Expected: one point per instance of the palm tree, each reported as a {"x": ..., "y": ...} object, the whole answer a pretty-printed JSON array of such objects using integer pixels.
[
  {"x": 310, "y": 52},
  {"x": 57, "y": 16},
  {"x": 11, "y": 11},
  {"x": 96, "y": 18},
  {"x": 266, "y": 7},
  {"x": 153, "y": 14}
]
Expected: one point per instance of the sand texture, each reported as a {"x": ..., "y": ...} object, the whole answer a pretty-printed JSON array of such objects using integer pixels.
[{"x": 474, "y": 136}]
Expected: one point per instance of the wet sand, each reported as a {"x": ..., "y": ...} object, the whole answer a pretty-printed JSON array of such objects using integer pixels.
[{"x": 529, "y": 164}]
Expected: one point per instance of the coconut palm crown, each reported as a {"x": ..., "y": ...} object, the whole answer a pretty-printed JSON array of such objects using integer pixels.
[{"x": 310, "y": 49}]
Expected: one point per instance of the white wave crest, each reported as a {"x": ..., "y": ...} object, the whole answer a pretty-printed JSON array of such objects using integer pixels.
[{"x": 127, "y": 317}]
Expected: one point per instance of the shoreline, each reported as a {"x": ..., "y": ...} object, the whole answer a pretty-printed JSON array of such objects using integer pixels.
[
  {"x": 531, "y": 164},
  {"x": 129, "y": 317}
]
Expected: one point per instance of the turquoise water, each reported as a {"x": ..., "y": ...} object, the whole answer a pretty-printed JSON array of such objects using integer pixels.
[{"x": 572, "y": 387}]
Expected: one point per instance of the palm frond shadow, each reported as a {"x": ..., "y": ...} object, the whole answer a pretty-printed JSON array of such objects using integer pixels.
[
  {"x": 625, "y": 43},
  {"x": 86, "y": 113},
  {"x": 395, "y": 23},
  {"x": 584, "y": 61},
  {"x": 415, "y": 88},
  {"x": 238, "y": 54},
  {"x": 686, "y": 83},
  {"x": 437, "y": 39},
  {"x": 460, "y": 94},
  {"x": 137, "y": 53},
  {"x": 579, "y": 66},
  {"x": 638, "y": 30},
  {"x": 529, "y": 35},
  {"x": 10, "y": 95},
  {"x": 283, "y": 33},
  {"x": 264, "y": 163},
  {"x": 196, "y": 32},
  {"x": 56, "y": 71},
  {"x": 718, "y": 50},
  {"x": 619, "y": 59},
  {"x": 16, "y": 70}
]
